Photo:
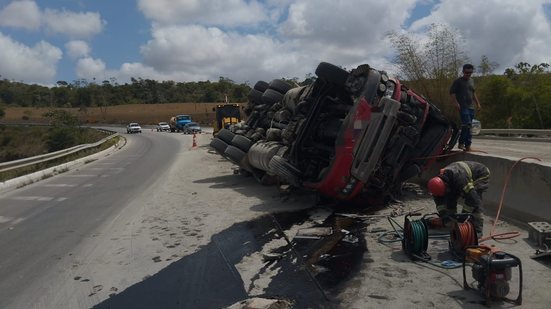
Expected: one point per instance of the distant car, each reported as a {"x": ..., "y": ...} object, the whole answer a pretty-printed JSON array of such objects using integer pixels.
[
  {"x": 192, "y": 127},
  {"x": 163, "y": 126},
  {"x": 133, "y": 127},
  {"x": 476, "y": 127}
]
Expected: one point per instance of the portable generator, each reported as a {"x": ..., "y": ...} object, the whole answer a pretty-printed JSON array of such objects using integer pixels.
[{"x": 492, "y": 271}]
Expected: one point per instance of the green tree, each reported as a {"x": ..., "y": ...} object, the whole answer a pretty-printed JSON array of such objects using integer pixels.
[
  {"x": 531, "y": 94},
  {"x": 63, "y": 132},
  {"x": 431, "y": 67}
]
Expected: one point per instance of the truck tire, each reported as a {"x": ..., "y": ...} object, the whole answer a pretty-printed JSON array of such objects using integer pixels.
[
  {"x": 255, "y": 96},
  {"x": 261, "y": 86},
  {"x": 279, "y": 166},
  {"x": 218, "y": 145},
  {"x": 332, "y": 73},
  {"x": 271, "y": 96},
  {"x": 280, "y": 86},
  {"x": 261, "y": 153},
  {"x": 242, "y": 142},
  {"x": 225, "y": 135},
  {"x": 235, "y": 154}
]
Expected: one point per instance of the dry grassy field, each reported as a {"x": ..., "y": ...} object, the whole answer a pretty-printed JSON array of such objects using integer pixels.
[{"x": 120, "y": 114}]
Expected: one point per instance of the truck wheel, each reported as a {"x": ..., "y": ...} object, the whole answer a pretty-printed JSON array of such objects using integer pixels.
[
  {"x": 255, "y": 96},
  {"x": 261, "y": 86},
  {"x": 271, "y": 96},
  {"x": 280, "y": 86},
  {"x": 332, "y": 73},
  {"x": 283, "y": 169},
  {"x": 218, "y": 145},
  {"x": 235, "y": 154},
  {"x": 225, "y": 135},
  {"x": 241, "y": 142}
]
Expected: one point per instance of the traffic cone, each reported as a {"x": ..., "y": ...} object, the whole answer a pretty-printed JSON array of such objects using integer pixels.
[{"x": 194, "y": 141}]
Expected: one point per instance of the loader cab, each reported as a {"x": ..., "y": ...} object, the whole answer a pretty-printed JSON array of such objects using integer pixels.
[{"x": 226, "y": 115}]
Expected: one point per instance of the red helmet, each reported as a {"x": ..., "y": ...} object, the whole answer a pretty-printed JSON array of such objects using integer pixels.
[{"x": 437, "y": 186}]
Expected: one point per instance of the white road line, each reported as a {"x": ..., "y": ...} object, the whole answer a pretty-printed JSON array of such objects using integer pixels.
[
  {"x": 18, "y": 220},
  {"x": 38, "y": 198},
  {"x": 88, "y": 185},
  {"x": 5, "y": 219},
  {"x": 81, "y": 175},
  {"x": 59, "y": 185}
]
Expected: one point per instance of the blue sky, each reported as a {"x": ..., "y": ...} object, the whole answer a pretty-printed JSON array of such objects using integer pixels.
[{"x": 247, "y": 40}]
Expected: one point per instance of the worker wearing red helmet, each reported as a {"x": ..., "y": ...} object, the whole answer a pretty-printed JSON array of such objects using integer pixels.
[{"x": 465, "y": 179}]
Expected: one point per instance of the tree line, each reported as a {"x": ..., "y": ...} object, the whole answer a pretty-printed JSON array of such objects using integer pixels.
[
  {"x": 83, "y": 93},
  {"x": 520, "y": 97}
]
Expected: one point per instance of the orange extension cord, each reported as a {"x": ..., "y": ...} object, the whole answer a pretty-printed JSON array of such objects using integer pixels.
[{"x": 506, "y": 235}]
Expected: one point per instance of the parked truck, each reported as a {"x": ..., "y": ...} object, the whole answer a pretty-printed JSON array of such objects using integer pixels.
[{"x": 178, "y": 122}]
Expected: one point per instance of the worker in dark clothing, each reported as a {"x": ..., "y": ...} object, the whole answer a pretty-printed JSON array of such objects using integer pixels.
[
  {"x": 465, "y": 179},
  {"x": 463, "y": 95}
]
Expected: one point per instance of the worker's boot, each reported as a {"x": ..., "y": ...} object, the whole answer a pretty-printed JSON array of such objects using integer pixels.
[{"x": 461, "y": 146}]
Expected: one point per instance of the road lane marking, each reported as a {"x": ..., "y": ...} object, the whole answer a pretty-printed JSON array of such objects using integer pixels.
[
  {"x": 88, "y": 185},
  {"x": 60, "y": 185},
  {"x": 5, "y": 219},
  {"x": 81, "y": 175},
  {"x": 18, "y": 220},
  {"x": 38, "y": 198}
]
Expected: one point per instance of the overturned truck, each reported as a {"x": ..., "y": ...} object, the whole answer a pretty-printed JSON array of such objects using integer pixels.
[{"x": 349, "y": 135}]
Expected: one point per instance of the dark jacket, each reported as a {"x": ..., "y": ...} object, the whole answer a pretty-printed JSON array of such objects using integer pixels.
[{"x": 464, "y": 178}]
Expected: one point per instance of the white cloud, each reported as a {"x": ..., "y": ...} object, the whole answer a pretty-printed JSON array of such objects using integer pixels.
[
  {"x": 323, "y": 30},
  {"x": 90, "y": 68},
  {"x": 21, "y": 14},
  {"x": 206, "y": 12},
  {"x": 74, "y": 25},
  {"x": 507, "y": 31},
  {"x": 35, "y": 64},
  {"x": 210, "y": 53},
  {"x": 77, "y": 49}
]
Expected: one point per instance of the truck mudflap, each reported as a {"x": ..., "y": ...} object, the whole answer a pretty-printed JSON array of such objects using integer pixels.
[{"x": 373, "y": 140}]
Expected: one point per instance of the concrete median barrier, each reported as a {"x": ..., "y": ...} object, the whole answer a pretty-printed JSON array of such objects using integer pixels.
[{"x": 528, "y": 194}]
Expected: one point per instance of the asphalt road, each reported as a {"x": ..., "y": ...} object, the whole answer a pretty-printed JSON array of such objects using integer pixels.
[{"x": 43, "y": 222}]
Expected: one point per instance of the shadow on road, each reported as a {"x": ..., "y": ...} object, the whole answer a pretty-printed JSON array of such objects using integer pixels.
[{"x": 208, "y": 278}]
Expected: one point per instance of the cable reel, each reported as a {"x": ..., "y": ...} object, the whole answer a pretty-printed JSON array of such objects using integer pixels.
[
  {"x": 416, "y": 238},
  {"x": 462, "y": 235}
]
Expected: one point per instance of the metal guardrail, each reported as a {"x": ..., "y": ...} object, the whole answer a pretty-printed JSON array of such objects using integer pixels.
[
  {"x": 11, "y": 165},
  {"x": 509, "y": 132}
]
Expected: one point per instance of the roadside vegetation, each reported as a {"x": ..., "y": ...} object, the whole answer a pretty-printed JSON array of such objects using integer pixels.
[
  {"x": 519, "y": 97},
  {"x": 20, "y": 141}
]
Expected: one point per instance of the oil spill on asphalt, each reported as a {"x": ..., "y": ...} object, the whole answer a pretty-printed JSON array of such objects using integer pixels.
[{"x": 209, "y": 278}]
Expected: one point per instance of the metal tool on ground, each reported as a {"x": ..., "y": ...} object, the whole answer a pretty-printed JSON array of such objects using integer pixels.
[{"x": 492, "y": 270}]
